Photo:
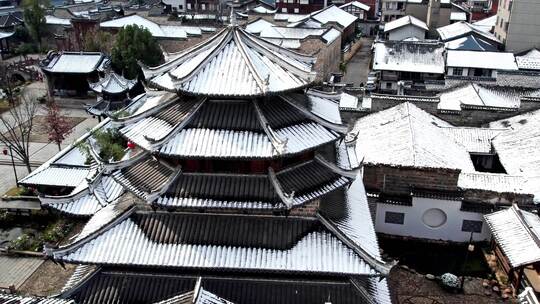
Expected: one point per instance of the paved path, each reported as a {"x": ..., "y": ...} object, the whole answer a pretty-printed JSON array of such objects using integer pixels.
[
  {"x": 358, "y": 67},
  {"x": 14, "y": 271}
]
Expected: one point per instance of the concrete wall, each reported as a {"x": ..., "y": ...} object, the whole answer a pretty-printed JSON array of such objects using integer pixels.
[
  {"x": 407, "y": 32},
  {"x": 426, "y": 211},
  {"x": 523, "y": 29},
  {"x": 417, "y": 10}
]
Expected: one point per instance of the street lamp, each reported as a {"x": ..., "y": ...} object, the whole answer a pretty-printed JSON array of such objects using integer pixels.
[
  {"x": 470, "y": 248},
  {"x": 5, "y": 152}
]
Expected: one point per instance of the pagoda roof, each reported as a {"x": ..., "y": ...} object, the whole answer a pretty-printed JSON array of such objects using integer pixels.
[
  {"x": 233, "y": 63},
  {"x": 113, "y": 83},
  {"x": 209, "y": 128},
  {"x": 237, "y": 288},
  {"x": 223, "y": 241},
  {"x": 290, "y": 187}
]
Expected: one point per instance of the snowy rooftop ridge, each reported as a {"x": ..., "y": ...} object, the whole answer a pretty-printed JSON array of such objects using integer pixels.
[{"x": 403, "y": 21}]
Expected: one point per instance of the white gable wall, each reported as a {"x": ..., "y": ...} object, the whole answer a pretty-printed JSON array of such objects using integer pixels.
[
  {"x": 416, "y": 215},
  {"x": 407, "y": 31}
]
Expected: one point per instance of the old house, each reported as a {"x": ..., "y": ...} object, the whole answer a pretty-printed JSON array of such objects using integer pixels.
[
  {"x": 426, "y": 178},
  {"x": 405, "y": 28},
  {"x": 113, "y": 93},
  {"x": 68, "y": 73},
  {"x": 466, "y": 36},
  {"x": 412, "y": 62},
  {"x": 478, "y": 64}
]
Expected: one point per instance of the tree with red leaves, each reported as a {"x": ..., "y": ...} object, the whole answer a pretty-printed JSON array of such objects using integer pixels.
[{"x": 58, "y": 127}]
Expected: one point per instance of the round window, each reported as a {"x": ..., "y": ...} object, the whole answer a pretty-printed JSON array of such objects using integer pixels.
[{"x": 434, "y": 218}]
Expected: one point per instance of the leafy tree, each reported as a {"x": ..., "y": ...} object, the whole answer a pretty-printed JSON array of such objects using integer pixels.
[
  {"x": 134, "y": 43},
  {"x": 98, "y": 42},
  {"x": 57, "y": 125},
  {"x": 34, "y": 18}
]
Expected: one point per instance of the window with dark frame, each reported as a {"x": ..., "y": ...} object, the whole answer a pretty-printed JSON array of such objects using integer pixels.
[
  {"x": 471, "y": 226},
  {"x": 394, "y": 217}
]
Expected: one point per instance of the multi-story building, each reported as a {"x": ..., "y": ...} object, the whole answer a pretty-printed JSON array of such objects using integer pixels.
[
  {"x": 518, "y": 25},
  {"x": 235, "y": 181}
]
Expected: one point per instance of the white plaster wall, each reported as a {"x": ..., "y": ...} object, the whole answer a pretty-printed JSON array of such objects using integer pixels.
[
  {"x": 407, "y": 32},
  {"x": 413, "y": 225}
]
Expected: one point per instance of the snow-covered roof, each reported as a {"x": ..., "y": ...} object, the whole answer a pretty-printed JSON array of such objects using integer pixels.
[
  {"x": 462, "y": 28},
  {"x": 53, "y": 20},
  {"x": 6, "y": 35},
  {"x": 329, "y": 14},
  {"x": 470, "y": 43},
  {"x": 517, "y": 147},
  {"x": 517, "y": 233},
  {"x": 420, "y": 57},
  {"x": 473, "y": 94},
  {"x": 348, "y": 101},
  {"x": 407, "y": 136},
  {"x": 331, "y": 35},
  {"x": 356, "y": 4},
  {"x": 486, "y": 24},
  {"x": 501, "y": 183},
  {"x": 283, "y": 32},
  {"x": 458, "y": 16},
  {"x": 233, "y": 63},
  {"x": 404, "y": 21},
  {"x": 257, "y": 26},
  {"x": 529, "y": 60},
  {"x": 289, "y": 17},
  {"x": 113, "y": 83},
  {"x": 73, "y": 62},
  {"x": 475, "y": 140},
  {"x": 157, "y": 30},
  {"x": 482, "y": 60},
  {"x": 260, "y": 9}
]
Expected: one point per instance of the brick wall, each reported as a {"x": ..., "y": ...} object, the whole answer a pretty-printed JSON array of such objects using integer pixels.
[
  {"x": 399, "y": 180},
  {"x": 328, "y": 56},
  {"x": 308, "y": 209},
  {"x": 482, "y": 196}
]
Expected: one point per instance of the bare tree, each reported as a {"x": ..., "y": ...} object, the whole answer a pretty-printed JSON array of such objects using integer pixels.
[{"x": 16, "y": 126}]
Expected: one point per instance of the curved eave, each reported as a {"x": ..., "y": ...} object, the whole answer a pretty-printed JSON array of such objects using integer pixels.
[{"x": 261, "y": 94}]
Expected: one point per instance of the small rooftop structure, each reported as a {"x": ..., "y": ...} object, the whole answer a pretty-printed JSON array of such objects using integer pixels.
[
  {"x": 461, "y": 29},
  {"x": 409, "y": 56},
  {"x": 330, "y": 14},
  {"x": 529, "y": 60},
  {"x": 517, "y": 233},
  {"x": 406, "y": 136},
  {"x": 355, "y": 4},
  {"x": 113, "y": 83},
  {"x": 482, "y": 60},
  {"x": 404, "y": 21},
  {"x": 486, "y": 24},
  {"x": 257, "y": 66},
  {"x": 74, "y": 62},
  {"x": 470, "y": 43},
  {"x": 157, "y": 30},
  {"x": 484, "y": 96},
  {"x": 458, "y": 16}
]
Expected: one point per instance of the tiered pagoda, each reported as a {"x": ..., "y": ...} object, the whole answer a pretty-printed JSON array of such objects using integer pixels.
[
  {"x": 112, "y": 94},
  {"x": 237, "y": 180}
]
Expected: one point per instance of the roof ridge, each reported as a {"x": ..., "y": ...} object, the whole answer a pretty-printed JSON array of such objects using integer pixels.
[{"x": 411, "y": 130}]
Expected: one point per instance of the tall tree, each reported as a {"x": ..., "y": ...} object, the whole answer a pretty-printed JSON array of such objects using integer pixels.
[
  {"x": 16, "y": 127},
  {"x": 57, "y": 125},
  {"x": 34, "y": 18},
  {"x": 133, "y": 44}
]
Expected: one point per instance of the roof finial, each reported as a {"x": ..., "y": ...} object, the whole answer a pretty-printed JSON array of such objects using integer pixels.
[{"x": 232, "y": 18}]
